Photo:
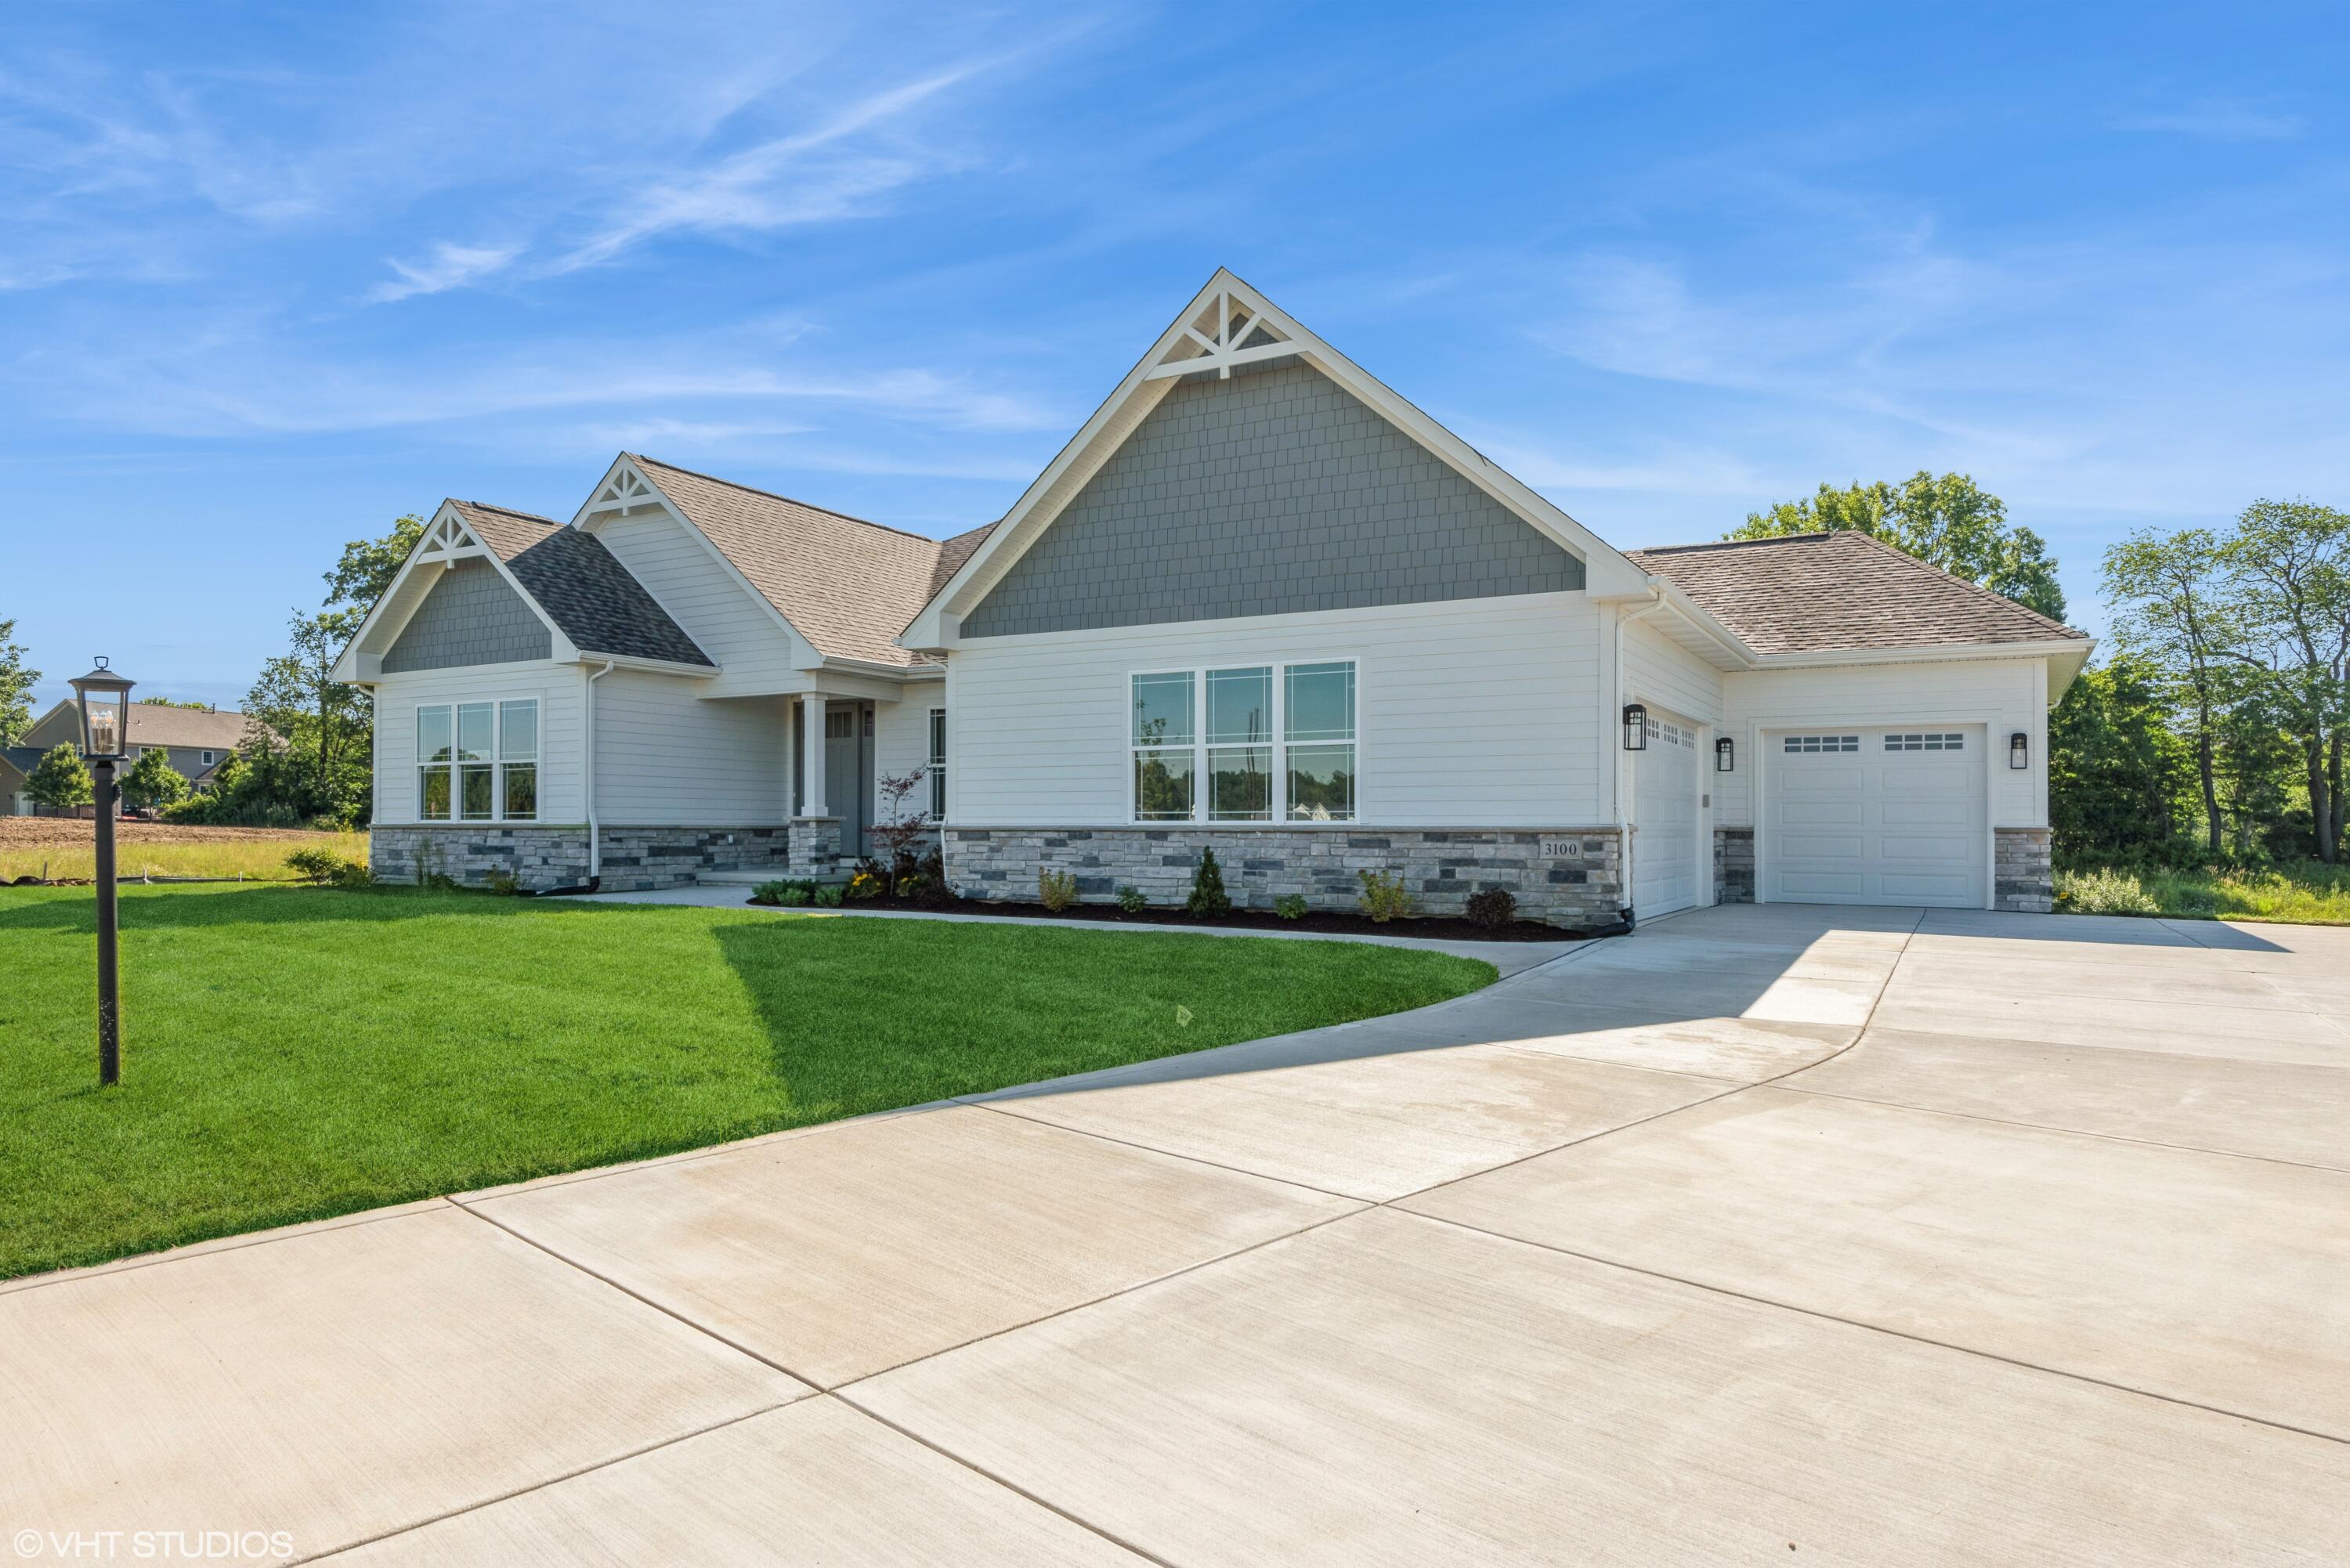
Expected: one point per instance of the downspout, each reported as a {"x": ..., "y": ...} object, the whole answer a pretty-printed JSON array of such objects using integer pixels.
[
  {"x": 588, "y": 783},
  {"x": 1623, "y": 816}
]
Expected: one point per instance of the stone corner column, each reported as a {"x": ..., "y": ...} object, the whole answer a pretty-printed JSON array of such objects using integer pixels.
[
  {"x": 2024, "y": 870},
  {"x": 814, "y": 849}
]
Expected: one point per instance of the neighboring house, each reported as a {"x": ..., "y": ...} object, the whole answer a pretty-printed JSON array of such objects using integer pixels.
[
  {"x": 1258, "y": 603},
  {"x": 196, "y": 739}
]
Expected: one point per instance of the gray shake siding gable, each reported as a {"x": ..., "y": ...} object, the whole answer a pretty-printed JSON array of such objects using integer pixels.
[
  {"x": 470, "y": 617},
  {"x": 1274, "y": 491}
]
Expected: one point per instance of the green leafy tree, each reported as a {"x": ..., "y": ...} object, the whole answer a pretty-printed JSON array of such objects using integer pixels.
[
  {"x": 178, "y": 703},
  {"x": 2289, "y": 564},
  {"x": 59, "y": 780},
  {"x": 2175, "y": 612},
  {"x": 16, "y": 682},
  {"x": 152, "y": 781},
  {"x": 1944, "y": 520},
  {"x": 2113, "y": 764}
]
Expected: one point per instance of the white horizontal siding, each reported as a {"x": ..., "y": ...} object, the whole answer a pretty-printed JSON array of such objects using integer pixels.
[
  {"x": 562, "y": 796},
  {"x": 1476, "y": 712},
  {"x": 901, "y": 745},
  {"x": 669, "y": 756},
  {"x": 725, "y": 618},
  {"x": 1661, "y": 673},
  {"x": 2003, "y": 695}
]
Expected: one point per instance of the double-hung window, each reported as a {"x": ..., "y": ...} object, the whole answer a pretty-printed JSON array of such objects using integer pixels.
[
  {"x": 1260, "y": 742},
  {"x": 937, "y": 764},
  {"x": 477, "y": 762}
]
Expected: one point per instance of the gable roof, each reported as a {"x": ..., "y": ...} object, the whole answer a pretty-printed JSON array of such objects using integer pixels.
[
  {"x": 155, "y": 725},
  {"x": 846, "y": 585},
  {"x": 580, "y": 586},
  {"x": 1810, "y": 593}
]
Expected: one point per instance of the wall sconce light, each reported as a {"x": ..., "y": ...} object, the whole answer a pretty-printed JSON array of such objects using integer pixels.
[
  {"x": 1635, "y": 727},
  {"x": 1725, "y": 755},
  {"x": 2019, "y": 750}
]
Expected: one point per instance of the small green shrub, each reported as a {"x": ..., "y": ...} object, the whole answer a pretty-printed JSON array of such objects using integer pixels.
[
  {"x": 354, "y": 875},
  {"x": 1492, "y": 906},
  {"x": 504, "y": 883},
  {"x": 829, "y": 895},
  {"x": 1131, "y": 901},
  {"x": 786, "y": 892},
  {"x": 2105, "y": 891},
  {"x": 1290, "y": 905},
  {"x": 1056, "y": 891},
  {"x": 315, "y": 865},
  {"x": 1384, "y": 897},
  {"x": 1208, "y": 895}
]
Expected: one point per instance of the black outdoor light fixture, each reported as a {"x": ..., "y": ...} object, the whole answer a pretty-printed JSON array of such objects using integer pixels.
[
  {"x": 2019, "y": 750},
  {"x": 1635, "y": 727},
  {"x": 104, "y": 699},
  {"x": 1725, "y": 755}
]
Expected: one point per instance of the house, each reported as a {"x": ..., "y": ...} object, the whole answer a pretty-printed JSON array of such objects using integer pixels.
[
  {"x": 1258, "y": 603},
  {"x": 197, "y": 741}
]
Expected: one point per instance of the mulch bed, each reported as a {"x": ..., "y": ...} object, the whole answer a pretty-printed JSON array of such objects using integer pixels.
[{"x": 1327, "y": 923}]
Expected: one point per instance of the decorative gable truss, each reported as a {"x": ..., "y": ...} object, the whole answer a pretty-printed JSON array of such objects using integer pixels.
[
  {"x": 1224, "y": 332},
  {"x": 445, "y": 541},
  {"x": 625, "y": 492}
]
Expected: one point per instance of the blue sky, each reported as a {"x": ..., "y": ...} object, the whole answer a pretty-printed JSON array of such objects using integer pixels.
[{"x": 272, "y": 275}]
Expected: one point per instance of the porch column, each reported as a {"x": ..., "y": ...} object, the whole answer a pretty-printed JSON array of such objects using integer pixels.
[{"x": 812, "y": 748}]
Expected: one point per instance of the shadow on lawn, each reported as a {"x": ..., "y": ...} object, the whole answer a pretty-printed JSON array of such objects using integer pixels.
[{"x": 164, "y": 907}]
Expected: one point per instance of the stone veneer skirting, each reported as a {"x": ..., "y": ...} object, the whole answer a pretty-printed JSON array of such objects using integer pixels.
[
  {"x": 635, "y": 859},
  {"x": 1733, "y": 865},
  {"x": 1440, "y": 867},
  {"x": 2024, "y": 870}
]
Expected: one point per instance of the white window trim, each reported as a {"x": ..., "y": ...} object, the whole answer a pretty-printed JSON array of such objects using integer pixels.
[
  {"x": 498, "y": 761},
  {"x": 1280, "y": 664}
]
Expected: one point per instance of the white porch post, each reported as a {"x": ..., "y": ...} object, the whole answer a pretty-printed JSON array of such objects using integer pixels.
[{"x": 812, "y": 749}]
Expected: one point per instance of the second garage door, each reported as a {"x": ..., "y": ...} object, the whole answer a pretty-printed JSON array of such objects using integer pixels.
[
  {"x": 1664, "y": 810},
  {"x": 1876, "y": 817}
]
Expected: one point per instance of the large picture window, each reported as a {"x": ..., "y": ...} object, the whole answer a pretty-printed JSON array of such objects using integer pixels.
[
  {"x": 1259, "y": 742},
  {"x": 477, "y": 762}
]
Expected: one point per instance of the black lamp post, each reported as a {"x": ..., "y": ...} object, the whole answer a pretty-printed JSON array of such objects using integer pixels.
[{"x": 105, "y": 700}]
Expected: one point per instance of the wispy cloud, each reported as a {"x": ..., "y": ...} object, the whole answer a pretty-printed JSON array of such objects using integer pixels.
[
  {"x": 448, "y": 266},
  {"x": 2218, "y": 120}
]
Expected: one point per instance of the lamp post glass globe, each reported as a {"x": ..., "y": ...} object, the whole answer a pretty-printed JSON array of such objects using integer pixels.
[{"x": 104, "y": 699}]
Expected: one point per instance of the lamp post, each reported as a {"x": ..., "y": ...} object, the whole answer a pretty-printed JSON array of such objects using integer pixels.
[{"x": 104, "y": 697}]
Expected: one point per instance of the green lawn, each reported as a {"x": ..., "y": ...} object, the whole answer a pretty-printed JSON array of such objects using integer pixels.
[
  {"x": 291, "y": 1053},
  {"x": 2306, "y": 893}
]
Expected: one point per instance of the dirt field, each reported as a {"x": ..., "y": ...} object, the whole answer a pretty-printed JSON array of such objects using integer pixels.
[{"x": 65, "y": 847}]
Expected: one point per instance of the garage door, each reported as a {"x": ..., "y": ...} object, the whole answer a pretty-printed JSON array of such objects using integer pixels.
[
  {"x": 1664, "y": 807},
  {"x": 1876, "y": 817}
]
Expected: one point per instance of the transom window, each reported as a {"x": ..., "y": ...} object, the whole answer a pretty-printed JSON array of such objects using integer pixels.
[
  {"x": 1822, "y": 743},
  {"x": 1926, "y": 740},
  {"x": 477, "y": 762},
  {"x": 1671, "y": 733},
  {"x": 1258, "y": 743}
]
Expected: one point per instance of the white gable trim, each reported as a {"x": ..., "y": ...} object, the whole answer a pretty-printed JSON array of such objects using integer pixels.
[
  {"x": 445, "y": 541},
  {"x": 628, "y": 491},
  {"x": 1214, "y": 332}
]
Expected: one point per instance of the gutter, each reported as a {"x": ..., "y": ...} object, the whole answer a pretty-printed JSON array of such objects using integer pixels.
[{"x": 595, "y": 826}]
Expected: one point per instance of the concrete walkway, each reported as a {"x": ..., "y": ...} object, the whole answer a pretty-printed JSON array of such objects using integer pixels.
[{"x": 1766, "y": 1234}]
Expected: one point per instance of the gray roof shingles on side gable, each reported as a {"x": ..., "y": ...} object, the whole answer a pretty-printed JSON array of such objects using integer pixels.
[
  {"x": 581, "y": 586},
  {"x": 1816, "y": 593}
]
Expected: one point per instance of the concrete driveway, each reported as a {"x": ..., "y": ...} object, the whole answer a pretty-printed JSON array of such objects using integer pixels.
[{"x": 1775, "y": 1234}]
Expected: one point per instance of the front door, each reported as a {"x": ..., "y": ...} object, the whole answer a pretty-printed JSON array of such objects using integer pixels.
[{"x": 847, "y": 771}]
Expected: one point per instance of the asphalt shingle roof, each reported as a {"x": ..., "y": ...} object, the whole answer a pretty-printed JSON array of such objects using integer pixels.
[
  {"x": 581, "y": 586},
  {"x": 1809, "y": 593},
  {"x": 848, "y": 586}
]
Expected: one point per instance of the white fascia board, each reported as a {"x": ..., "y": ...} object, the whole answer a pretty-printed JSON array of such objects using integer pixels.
[
  {"x": 1605, "y": 571},
  {"x": 1938, "y": 653},
  {"x": 635, "y": 661},
  {"x": 803, "y": 652}
]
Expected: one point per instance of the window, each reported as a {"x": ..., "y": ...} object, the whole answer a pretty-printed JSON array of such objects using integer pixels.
[
  {"x": 207, "y": 758},
  {"x": 1671, "y": 733},
  {"x": 937, "y": 764},
  {"x": 1822, "y": 743},
  {"x": 477, "y": 762},
  {"x": 1269, "y": 742},
  {"x": 1926, "y": 741}
]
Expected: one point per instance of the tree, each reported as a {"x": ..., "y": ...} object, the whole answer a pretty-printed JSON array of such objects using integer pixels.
[
  {"x": 152, "y": 781},
  {"x": 2113, "y": 764},
  {"x": 59, "y": 780},
  {"x": 2173, "y": 612},
  {"x": 2289, "y": 564},
  {"x": 179, "y": 703},
  {"x": 365, "y": 572},
  {"x": 1946, "y": 521},
  {"x": 16, "y": 683}
]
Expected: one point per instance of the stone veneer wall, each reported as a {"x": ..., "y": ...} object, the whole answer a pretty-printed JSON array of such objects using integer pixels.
[
  {"x": 1440, "y": 867},
  {"x": 634, "y": 858},
  {"x": 2024, "y": 870},
  {"x": 1733, "y": 865}
]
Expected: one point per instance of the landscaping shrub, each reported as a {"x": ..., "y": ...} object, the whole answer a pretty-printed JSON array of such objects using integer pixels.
[
  {"x": 1384, "y": 897},
  {"x": 1056, "y": 891},
  {"x": 354, "y": 875},
  {"x": 784, "y": 891},
  {"x": 1290, "y": 905},
  {"x": 866, "y": 885},
  {"x": 502, "y": 882},
  {"x": 1131, "y": 901},
  {"x": 2105, "y": 891},
  {"x": 1492, "y": 906},
  {"x": 314, "y": 864},
  {"x": 1208, "y": 895},
  {"x": 829, "y": 895}
]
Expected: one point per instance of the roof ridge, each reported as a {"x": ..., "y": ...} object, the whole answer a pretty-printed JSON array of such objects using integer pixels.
[
  {"x": 637, "y": 457},
  {"x": 506, "y": 511},
  {"x": 1739, "y": 544}
]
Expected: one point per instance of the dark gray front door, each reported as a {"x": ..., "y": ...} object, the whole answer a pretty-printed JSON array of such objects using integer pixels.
[{"x": 849, "y": 771}]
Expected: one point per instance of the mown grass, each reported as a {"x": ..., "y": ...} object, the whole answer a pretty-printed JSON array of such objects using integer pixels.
[
  {"x": 291, "y": 1053},
  {"x": 255, "y": 860},
  {"x": 2306, "y": 893}
]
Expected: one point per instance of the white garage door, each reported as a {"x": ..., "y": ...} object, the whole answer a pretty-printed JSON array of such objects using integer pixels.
[
  {"x": 1664, "y": 807},
  {"x": 1876, "y": 817}
]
